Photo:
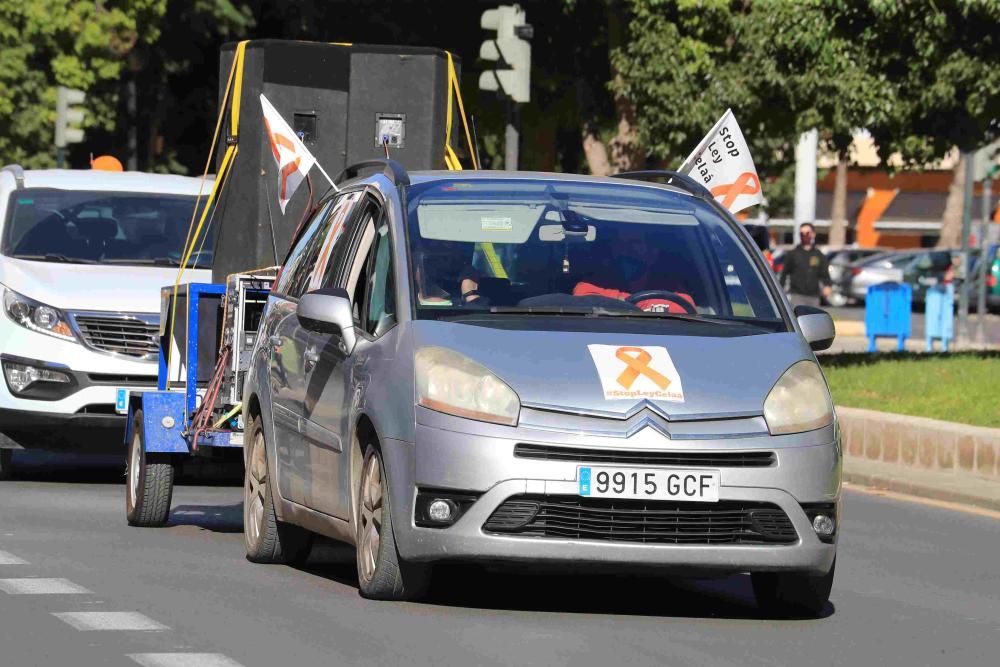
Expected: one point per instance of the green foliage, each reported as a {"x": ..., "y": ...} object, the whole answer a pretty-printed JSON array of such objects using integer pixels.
[
  {"x": 75, "y": 43},
  {"x": 922, "y": 77},
  {"x": 940, "y": 63}
]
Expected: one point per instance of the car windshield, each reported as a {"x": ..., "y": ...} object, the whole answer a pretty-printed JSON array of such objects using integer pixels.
[
  {"x": 85, "y": 227},
  {"x": 530, "y": 247}
]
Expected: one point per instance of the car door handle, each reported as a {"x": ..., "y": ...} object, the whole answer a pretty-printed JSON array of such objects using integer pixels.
[
  {"x": 275, "y": 341},
  {"x": 309, "y": 358}
]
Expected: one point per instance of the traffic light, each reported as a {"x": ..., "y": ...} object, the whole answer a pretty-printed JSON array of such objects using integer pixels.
[
  {"x": 68, "y": 117},
  {"x": 510, "y": 49}
]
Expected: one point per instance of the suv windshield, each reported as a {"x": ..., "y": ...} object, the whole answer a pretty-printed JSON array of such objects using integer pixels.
[
  {"x": 569, "y": 248},
  {"x": 83, "y": 227}
]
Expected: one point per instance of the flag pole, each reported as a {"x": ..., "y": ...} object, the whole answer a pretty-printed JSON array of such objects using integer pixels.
[{"x": 326, "y": 175}]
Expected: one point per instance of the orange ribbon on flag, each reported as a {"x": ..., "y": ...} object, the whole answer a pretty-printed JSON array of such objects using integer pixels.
[
  {"x": 746, "y": 183},
  {"x": 637, "y": 360},
  {"x": 276, "y": 140}
]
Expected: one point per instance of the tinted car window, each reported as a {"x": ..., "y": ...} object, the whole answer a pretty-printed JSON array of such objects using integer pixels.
[{"x": 104, "y": 227}]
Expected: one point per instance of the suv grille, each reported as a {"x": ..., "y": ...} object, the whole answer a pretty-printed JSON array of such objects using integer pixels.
[
  {"x": 692, "y": 459},
  {"x": 659, "y": 522},
  {"x": 125, "y": 334}
]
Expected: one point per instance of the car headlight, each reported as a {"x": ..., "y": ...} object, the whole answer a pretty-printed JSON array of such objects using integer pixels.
[
  {"x": 454, "y": 384},
  {"x": 799, "y": 401},
  {"x": 36, "y": 316}
]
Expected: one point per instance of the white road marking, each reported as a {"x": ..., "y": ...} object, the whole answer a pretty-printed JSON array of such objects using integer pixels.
[
  {"x": 109, "y": 620},
  {"x": 38, "y": 586},
  {"x": 184, "y": 660},
  {"x": 11, "y": 559}
]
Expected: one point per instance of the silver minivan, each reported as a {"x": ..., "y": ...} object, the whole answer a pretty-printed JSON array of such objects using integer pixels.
[{"x": 544, "y": 370}]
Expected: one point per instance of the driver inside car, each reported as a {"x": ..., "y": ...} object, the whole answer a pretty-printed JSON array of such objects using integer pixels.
[{"x": 632, "y": 268}]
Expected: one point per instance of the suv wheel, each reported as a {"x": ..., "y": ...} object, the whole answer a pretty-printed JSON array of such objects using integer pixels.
[
  {"x": 792, "y": 594},
  {"x": 267, "y": 540},
  {"x": 382, "y": 573}
]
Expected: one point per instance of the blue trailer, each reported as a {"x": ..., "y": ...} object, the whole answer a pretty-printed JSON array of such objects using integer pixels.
[{"x": 191, "y": 413}]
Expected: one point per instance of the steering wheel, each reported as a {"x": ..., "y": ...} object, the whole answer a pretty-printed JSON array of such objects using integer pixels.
[{"x": 666, "y": 295}]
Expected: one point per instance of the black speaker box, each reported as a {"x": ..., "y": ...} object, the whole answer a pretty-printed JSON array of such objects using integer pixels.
[{"x": 343, "y": 101}]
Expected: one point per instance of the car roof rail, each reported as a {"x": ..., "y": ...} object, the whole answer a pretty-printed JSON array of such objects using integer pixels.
[
  {"x": 18, "y": 172},
  {"x": 392, "y": 170},
  {"x": 675, "y": 178}
]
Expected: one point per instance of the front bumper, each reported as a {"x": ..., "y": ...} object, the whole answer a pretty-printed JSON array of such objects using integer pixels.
[
  {"x": 78, "y": 417},
  {"x": 808, "y": 470}
]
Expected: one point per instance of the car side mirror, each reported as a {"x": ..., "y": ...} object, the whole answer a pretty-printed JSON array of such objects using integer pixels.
[
  {"x": 816, "y": 325},
  {"x": 329, "y": 311}
]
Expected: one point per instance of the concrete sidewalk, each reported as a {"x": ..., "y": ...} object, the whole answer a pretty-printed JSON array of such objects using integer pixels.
[{"x": 965, "y": 490}]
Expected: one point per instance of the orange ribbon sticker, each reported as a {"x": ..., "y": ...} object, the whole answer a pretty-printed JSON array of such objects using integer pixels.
[
  {"x": 746, "y": 183},
  {"x": 637, "y": 360}
]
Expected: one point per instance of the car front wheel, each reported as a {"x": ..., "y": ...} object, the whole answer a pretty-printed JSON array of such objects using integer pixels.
[
  {"x": 267, "y": 540},
  {"x": 382, "y": 573}
]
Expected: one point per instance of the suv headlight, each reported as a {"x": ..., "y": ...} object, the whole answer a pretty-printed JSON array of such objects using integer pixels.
[
  {"x": 454, "y": 384},
  {"x": 36, "y": 316},
  {"x": 799, "y": 401}
]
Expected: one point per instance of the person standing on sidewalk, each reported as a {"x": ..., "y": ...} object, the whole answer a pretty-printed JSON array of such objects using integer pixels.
[{"x": 806, "y": 273}]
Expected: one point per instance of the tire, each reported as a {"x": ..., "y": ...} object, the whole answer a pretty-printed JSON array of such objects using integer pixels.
[
  {"x": 149, "y": 486},
  {"x": 267, "y": 540},
  {"x": 382, "y": 573},
  {"x": 6, "y": 464},
  {"x": 792, "y": 595}
]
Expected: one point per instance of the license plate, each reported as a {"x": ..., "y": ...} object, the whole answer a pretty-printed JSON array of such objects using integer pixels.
[
  {"x": 121, "y": 401},
  {"x": 650, "y": 484}
]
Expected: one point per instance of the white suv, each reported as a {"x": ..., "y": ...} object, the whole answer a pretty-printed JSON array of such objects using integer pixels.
[{"x": 83, "y": 255}]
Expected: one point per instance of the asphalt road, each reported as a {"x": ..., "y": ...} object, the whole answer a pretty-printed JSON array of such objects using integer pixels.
[{"x": 916, "y": 585}]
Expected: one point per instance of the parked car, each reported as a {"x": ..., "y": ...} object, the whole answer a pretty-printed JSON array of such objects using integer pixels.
[
  {"x": 442, "y": 375},
  {"x": 884, "y": 267},
  {"x": 992, "y": 277},
  {"x": 927, "y": 269},
  {"x": 83, "y": 255},
  {"x": 839, "y": 260}
]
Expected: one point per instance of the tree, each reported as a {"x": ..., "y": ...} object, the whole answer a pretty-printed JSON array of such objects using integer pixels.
[
  {"x": 76, "y": 43},
  {"x": 782, "y": 67},
  {"x": 940, "y": 62}
]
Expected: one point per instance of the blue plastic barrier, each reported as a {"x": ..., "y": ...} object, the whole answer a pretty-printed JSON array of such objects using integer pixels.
[
  {"x": 939, "y": 317},
  {"x": 887, "y": 313}
]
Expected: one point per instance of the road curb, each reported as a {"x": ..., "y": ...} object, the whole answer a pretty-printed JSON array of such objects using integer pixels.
[
  {"x": 849, "y": 327},
  {"x": 920, "y": 490}
]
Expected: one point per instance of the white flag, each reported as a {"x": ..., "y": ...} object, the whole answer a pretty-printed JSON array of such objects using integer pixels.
[
  {"x": 722, "y": 163},
  {"x": 293, "y": 158}
]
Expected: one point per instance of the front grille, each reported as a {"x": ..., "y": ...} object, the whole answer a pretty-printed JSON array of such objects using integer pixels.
[
  {"x": 649, "y": 522},
  {"x": 612, "y": 456},
  {"x": 126, "y": 335}
]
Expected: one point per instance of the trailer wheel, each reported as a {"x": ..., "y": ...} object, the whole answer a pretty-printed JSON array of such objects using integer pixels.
[
  {"x": 6, "y": 463},
  {"x": 149, "y": 486}
]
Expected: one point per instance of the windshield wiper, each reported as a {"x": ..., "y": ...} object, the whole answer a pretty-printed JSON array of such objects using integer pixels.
[
  {"x": 56, "y": 257},
  {"x": 548, "y": 310}
]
